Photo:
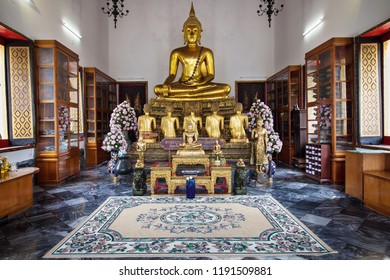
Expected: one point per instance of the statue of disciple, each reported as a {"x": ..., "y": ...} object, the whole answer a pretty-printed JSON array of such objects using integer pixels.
[
  {"x": 194, "y": 120},
  {"x": 146, "y": 123},
  {"x": 214, "y": 123},
  {"x": 260, "y": 144},
  {"x": 237, "y": 125},
  {"x": 197, "y": 63},
  {"x": 169, "y": 124}
]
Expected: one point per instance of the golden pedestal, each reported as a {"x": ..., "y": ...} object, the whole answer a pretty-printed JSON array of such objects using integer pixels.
[{"x": 149, "y": 137}]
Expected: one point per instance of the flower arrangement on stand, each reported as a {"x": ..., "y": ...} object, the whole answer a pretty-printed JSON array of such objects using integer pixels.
[
  {"x": 260, "y": 109},
  {"x": 114, "y": 140},
  {"x": 124, "y": 116},
  {"x": 123, "y": 119}
]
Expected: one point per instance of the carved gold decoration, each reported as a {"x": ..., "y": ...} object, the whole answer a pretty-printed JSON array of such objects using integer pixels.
[
  {"x": 224, "y": 172},
  {"x": 21, "y": 97},
  {"x": 370, "y": 118},
  {"x": 159, "y": 172}
]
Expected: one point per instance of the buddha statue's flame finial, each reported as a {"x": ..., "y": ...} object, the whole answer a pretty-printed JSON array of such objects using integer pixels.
[{"x": 192, "y": 11}]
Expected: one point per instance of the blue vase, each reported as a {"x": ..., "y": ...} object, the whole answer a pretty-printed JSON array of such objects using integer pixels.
[{"x": 190, "y": 188}]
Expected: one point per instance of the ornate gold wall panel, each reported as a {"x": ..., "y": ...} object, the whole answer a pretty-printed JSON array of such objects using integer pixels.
[
  {"x": 369, "y": 94},
  {"x": 21, "y": 93}
]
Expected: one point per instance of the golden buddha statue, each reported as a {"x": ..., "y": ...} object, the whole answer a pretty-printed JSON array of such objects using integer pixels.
[
  {"x": 190, "y": 138},
  {"x": 237, "y": 125},
  {"x": 194, "y": 121},
  {"x": 260, "y": 144},
  {"x": 217, "y": 154},
  {"x": 140, "y": 147},
  {"x": 190, "y": 145},
  {"x": 169, "y": 124},
  {"x": 146, "y": 125},
  {"x": 214, "y": 123},
  {"x": 197, "y": 64}
]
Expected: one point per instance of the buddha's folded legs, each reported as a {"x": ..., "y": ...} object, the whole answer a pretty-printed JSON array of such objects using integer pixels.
[{"x": 178, "y": 90}]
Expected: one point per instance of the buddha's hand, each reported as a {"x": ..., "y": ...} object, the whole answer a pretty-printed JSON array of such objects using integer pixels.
[{"x": 191, "y": 83}]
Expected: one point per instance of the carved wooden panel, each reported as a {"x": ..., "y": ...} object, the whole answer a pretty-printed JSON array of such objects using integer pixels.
[
  {"x": 21, "y": 93},
  {"x": 369, "y": 95}
]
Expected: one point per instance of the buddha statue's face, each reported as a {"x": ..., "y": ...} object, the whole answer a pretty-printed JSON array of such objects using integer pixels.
[
  {"x": 192, "y": 34},
  {"x": 259, "y": 122}
]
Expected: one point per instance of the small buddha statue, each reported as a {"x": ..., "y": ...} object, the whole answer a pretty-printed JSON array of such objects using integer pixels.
[
  {"x": 197, "y": 63},
  {"x": 146, "y": 125},
  {"x": 140, "y": 147},
  {"x": 217, "y": 154},
  {"x": 190, "y": 138},
  {"x": 190, "y": 144},
  {"x": 214, "y": 123},
  {"x": 238, "y": 124},
  {"x": 240, "y": 163},
  {"x": 195, "y": 121},
  {"x": 169, "y": 124}
]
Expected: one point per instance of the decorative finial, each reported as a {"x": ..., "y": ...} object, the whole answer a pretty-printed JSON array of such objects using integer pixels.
[
  {"x": 192, "y": 11},
  {"x": 192, "y": 19}
]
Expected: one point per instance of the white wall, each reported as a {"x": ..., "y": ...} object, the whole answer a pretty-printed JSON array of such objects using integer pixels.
[
  {"x": 19, "y": 156},
  {"x": 242, "y": 42},
  {"x": 44, "y": 22},
  {"x": 342, "y": 18}
]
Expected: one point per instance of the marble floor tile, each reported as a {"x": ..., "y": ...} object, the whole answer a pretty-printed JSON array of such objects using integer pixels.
[{"x": 314, "y": 219}]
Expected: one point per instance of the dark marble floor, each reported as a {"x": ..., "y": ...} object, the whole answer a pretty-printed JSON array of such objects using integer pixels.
[{"x": 354, "y": 231}]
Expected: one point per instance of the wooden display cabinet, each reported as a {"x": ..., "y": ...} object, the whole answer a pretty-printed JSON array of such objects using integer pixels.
[
  {"x": 100, "y": 101},
  {"x": 283, "y": 93},
  {"x": 57, "y": 103},
  {"x": 329, "y": 94}
]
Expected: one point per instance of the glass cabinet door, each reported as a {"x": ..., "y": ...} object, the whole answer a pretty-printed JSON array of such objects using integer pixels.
[
  {"x": 62, "y": 77},
  {"x": 271, "y": 100},
  {"x": 46, "y": 123},
  {"x": 343, "y": 98}
]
